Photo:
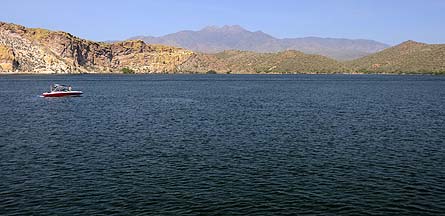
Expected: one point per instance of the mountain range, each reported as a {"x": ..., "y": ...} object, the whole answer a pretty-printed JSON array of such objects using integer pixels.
[
  {"x": 215, "y": 39},
  {"x": 36, "y": 50}
]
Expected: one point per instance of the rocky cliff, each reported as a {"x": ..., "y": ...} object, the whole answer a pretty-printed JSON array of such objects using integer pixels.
[{"x": 43, "y": 51}]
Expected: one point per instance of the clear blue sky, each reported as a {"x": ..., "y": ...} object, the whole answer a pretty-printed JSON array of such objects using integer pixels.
[{"x": 389, "y": 21}]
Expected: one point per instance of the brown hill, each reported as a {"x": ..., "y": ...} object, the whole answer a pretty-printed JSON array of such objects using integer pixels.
[
  {"x": 250, "y": 62},
  {"x": 407, "y": 57}
]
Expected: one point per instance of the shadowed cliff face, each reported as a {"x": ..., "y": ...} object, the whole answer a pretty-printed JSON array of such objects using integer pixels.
[{"x": 39, "y": 50}]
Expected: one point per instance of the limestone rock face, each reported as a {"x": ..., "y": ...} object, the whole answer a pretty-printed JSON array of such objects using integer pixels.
[
  {"x": 27, "y": 55},
  {"x": 43, "y": 51},
  {"x": 8, "y": 62},
  {"x": 139, "y": 57}
]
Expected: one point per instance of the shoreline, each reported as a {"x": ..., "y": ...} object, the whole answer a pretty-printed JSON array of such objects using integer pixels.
[{"x": 108, "y": 73}]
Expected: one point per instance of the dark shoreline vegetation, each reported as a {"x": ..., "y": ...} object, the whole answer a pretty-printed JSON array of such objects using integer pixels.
[
  {"x": 35, "y": 50},
  {"x": 126, "y": 70}
]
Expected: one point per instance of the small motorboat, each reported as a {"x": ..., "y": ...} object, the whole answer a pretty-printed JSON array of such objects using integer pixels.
[{"x": 57, "y": 90}]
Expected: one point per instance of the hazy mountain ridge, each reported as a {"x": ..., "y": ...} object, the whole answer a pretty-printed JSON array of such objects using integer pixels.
[{"x": 214, "y": 39}]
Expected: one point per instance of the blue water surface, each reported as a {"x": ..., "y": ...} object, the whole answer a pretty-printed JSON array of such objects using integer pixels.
[{"x": 223, "y": 145}]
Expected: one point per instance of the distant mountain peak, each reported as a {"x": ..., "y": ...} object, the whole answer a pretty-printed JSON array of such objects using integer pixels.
[
  {"x": 411, "y": 43},
  {"x": 233, "y": 28},
  {"x": 225, "y": 28},
  {"x": 210, "y": 28}
]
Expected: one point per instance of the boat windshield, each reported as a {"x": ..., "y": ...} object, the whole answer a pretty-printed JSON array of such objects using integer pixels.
[{"x": 58, "y": 87}]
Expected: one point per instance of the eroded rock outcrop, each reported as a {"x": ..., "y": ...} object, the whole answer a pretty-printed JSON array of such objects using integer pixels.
[{"x": 43, "y": 51}]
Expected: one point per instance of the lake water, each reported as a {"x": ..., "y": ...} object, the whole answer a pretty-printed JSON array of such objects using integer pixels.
[{"x": 223, "y": 145}]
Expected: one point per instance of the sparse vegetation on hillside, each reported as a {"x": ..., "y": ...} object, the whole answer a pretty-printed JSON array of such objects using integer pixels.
[
  {"x": 407, "y": 58},
  {"x": 38, "y": 33},
  {"x": 250, "y": 62}
]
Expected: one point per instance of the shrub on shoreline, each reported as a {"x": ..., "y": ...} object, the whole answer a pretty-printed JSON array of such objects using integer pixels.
[{"x": 126, "y": 70}]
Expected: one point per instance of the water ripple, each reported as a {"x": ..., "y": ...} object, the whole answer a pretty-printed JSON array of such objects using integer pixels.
[{"x": 224, "y": 145}]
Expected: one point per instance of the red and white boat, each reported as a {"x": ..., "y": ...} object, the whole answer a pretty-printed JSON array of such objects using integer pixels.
[{"x": 61, "y": 91}]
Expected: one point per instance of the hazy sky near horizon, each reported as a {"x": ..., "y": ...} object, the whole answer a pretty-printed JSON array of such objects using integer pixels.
[{"x": 388, "y": 21}]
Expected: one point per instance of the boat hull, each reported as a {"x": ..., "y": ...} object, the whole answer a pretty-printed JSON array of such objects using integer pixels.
[{"x": 62, "y": 94}]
